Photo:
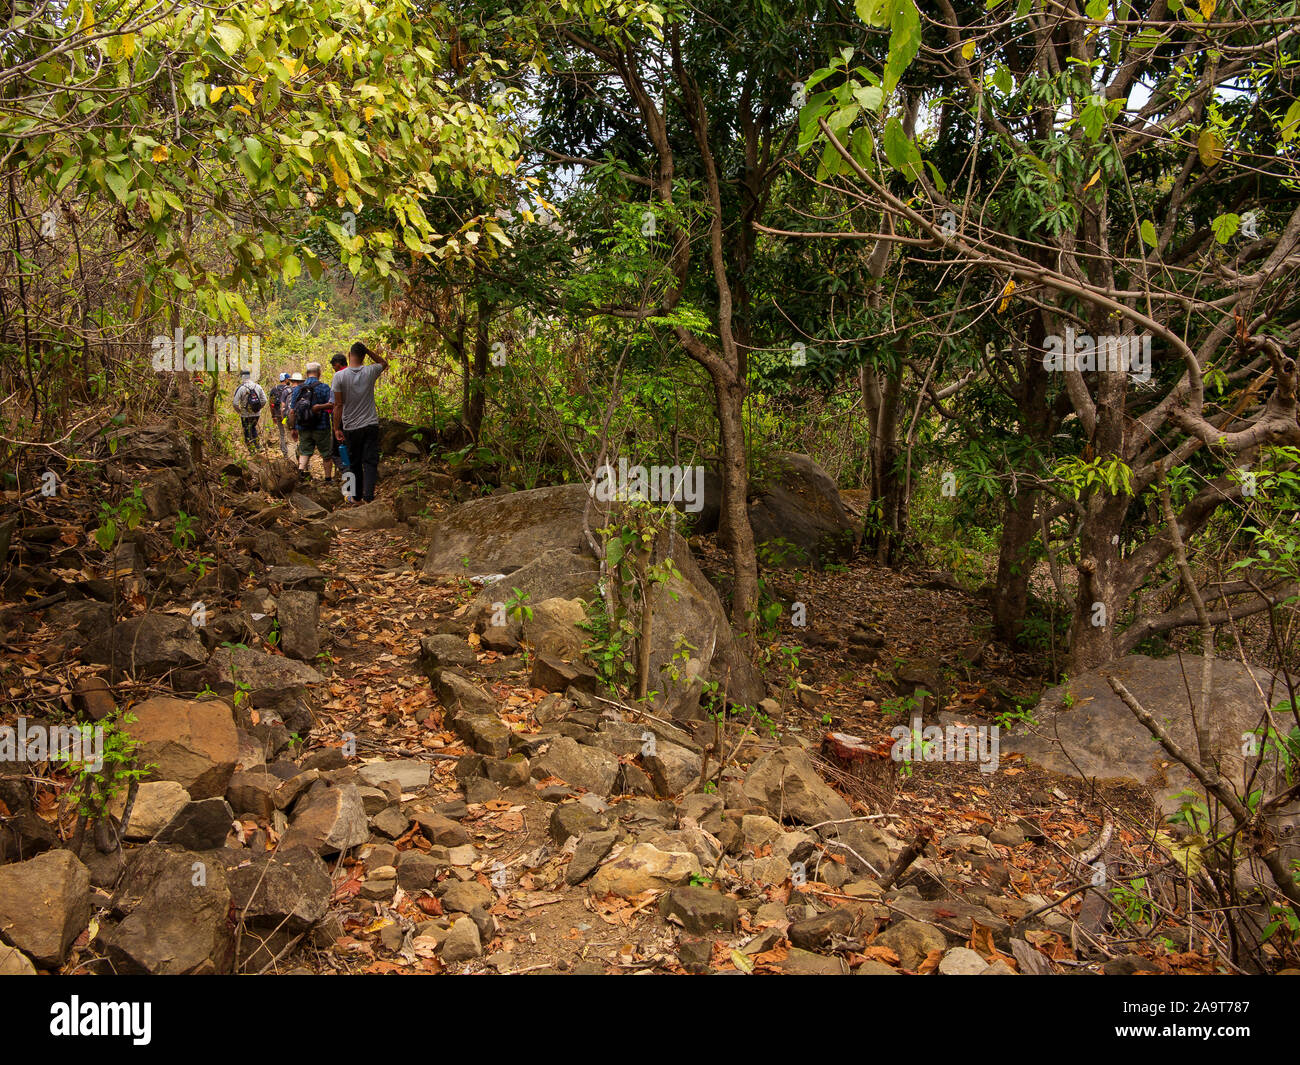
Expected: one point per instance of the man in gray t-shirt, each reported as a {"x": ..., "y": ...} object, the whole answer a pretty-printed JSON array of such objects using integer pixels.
[{"x": 356, "y": 419}]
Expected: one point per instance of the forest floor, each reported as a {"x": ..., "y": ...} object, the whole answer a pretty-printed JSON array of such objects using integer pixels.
[{"x": 996, "y": 874}]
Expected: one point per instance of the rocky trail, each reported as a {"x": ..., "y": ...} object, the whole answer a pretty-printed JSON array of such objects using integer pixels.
[{"x": 359, "y": 765}]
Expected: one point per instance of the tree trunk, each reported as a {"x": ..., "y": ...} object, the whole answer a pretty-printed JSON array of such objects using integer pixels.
[
  {"x": 888, "y": 492},
  {"x": 738, "y": 534},
  {"x": 476, "y": 385},
  {"x": 1011, "y": 602},
  {"x": 1100, "y": 600}
]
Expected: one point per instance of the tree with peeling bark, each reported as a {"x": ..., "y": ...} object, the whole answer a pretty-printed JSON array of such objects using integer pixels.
[{"x": 1119, "y": 183}]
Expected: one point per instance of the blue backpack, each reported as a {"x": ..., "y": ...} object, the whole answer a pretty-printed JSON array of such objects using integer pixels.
[{"x": 304, "y": 417}]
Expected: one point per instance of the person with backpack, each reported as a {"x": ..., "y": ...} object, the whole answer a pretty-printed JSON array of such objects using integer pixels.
[
  {"x": 356, "y": 419},
  {"x": 280, "y": 409},
  {"x": 249, "y": 399},
  {"x": 308, "y": 416}
]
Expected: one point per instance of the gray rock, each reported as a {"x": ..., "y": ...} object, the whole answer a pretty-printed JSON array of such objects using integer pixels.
[
  {"x": 443, "y": 650},
  {"x": 799, "y": 515},
  {"x": 298, "y": 613},
  {"x": 297, "y": 576},
  {"x": 253, "y": 792},
  {"x": 573, "y": 819},
  {"x": 272, "y": 680},
  {"x": 485, "y": 733},
  {"x": 306, "y": 506},
  {"x": 962, "y": 961},
  {"x": 289, "y": 888},
  {"x": 438, "y": 828},
  {"x": 552, "y": 674},
  {"x": 590, "y": 852},
  {"x": 512, "y": 772},
  {"x": 201, "y": 825},
  {"x": 1098, "y": 736},
  {"x": 502, "y": 533},
  {"x": 912, "y": 941},
  {"x": 672, "y": 768},
  {"x": 554, "y": 627},
  {"x": 788, "y": 786},
  {"x": 818, "y": 933},
  {"x": 480, "y": 790},
  {"x": 551, "y": 708},
  {"x": 410, "y": 774},
  {"x": 700, "y": 909},
  {"x": 463, "y": 942},
  {"x": 579, "y": 766},
  {"x": 175, "y": 909},
  {"x": 457, "y": 693},
  {"x": 328, "y": 820},
  {"x": 461, "y": 896},
  {"x": 148, "y": 646},
  {"x": 417, "y": 871},
  {"x": 390, "y": 822}
]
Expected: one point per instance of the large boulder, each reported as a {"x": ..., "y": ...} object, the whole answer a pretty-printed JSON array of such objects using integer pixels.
[
  {"x": 798, "y": 518},
  {"x": 1083, "y": 728},
  {"x": 44, "y": 905},
  {"x": 560, "y": 573},
  {"x": 686, "y": 607},
  {"x": 555, "y": 627},
  {"x": 500, "y": 534},
  {"x": 150, "y": 645},
  {"x": 175, "y": 908},
  {"x": 192, "y": 742}
]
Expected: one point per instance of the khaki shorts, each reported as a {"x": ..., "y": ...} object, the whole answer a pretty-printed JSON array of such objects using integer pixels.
[{"x": 310, "y": 441}]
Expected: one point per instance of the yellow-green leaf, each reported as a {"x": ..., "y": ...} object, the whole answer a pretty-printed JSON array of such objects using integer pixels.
[{"x": 1210, "y": 147}]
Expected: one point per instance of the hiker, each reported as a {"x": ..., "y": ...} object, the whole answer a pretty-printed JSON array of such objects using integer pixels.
[
  {"x": 280, "y": 409},
  {"x": 337, "y": 362},
  {"x": 249, "y": 399},
  {"x": 310, "y": 419},
  {"x": 356, "y": 420}
]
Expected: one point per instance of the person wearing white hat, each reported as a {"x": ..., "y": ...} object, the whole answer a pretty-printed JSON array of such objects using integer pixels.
[{"x": 309, "y": 413}]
